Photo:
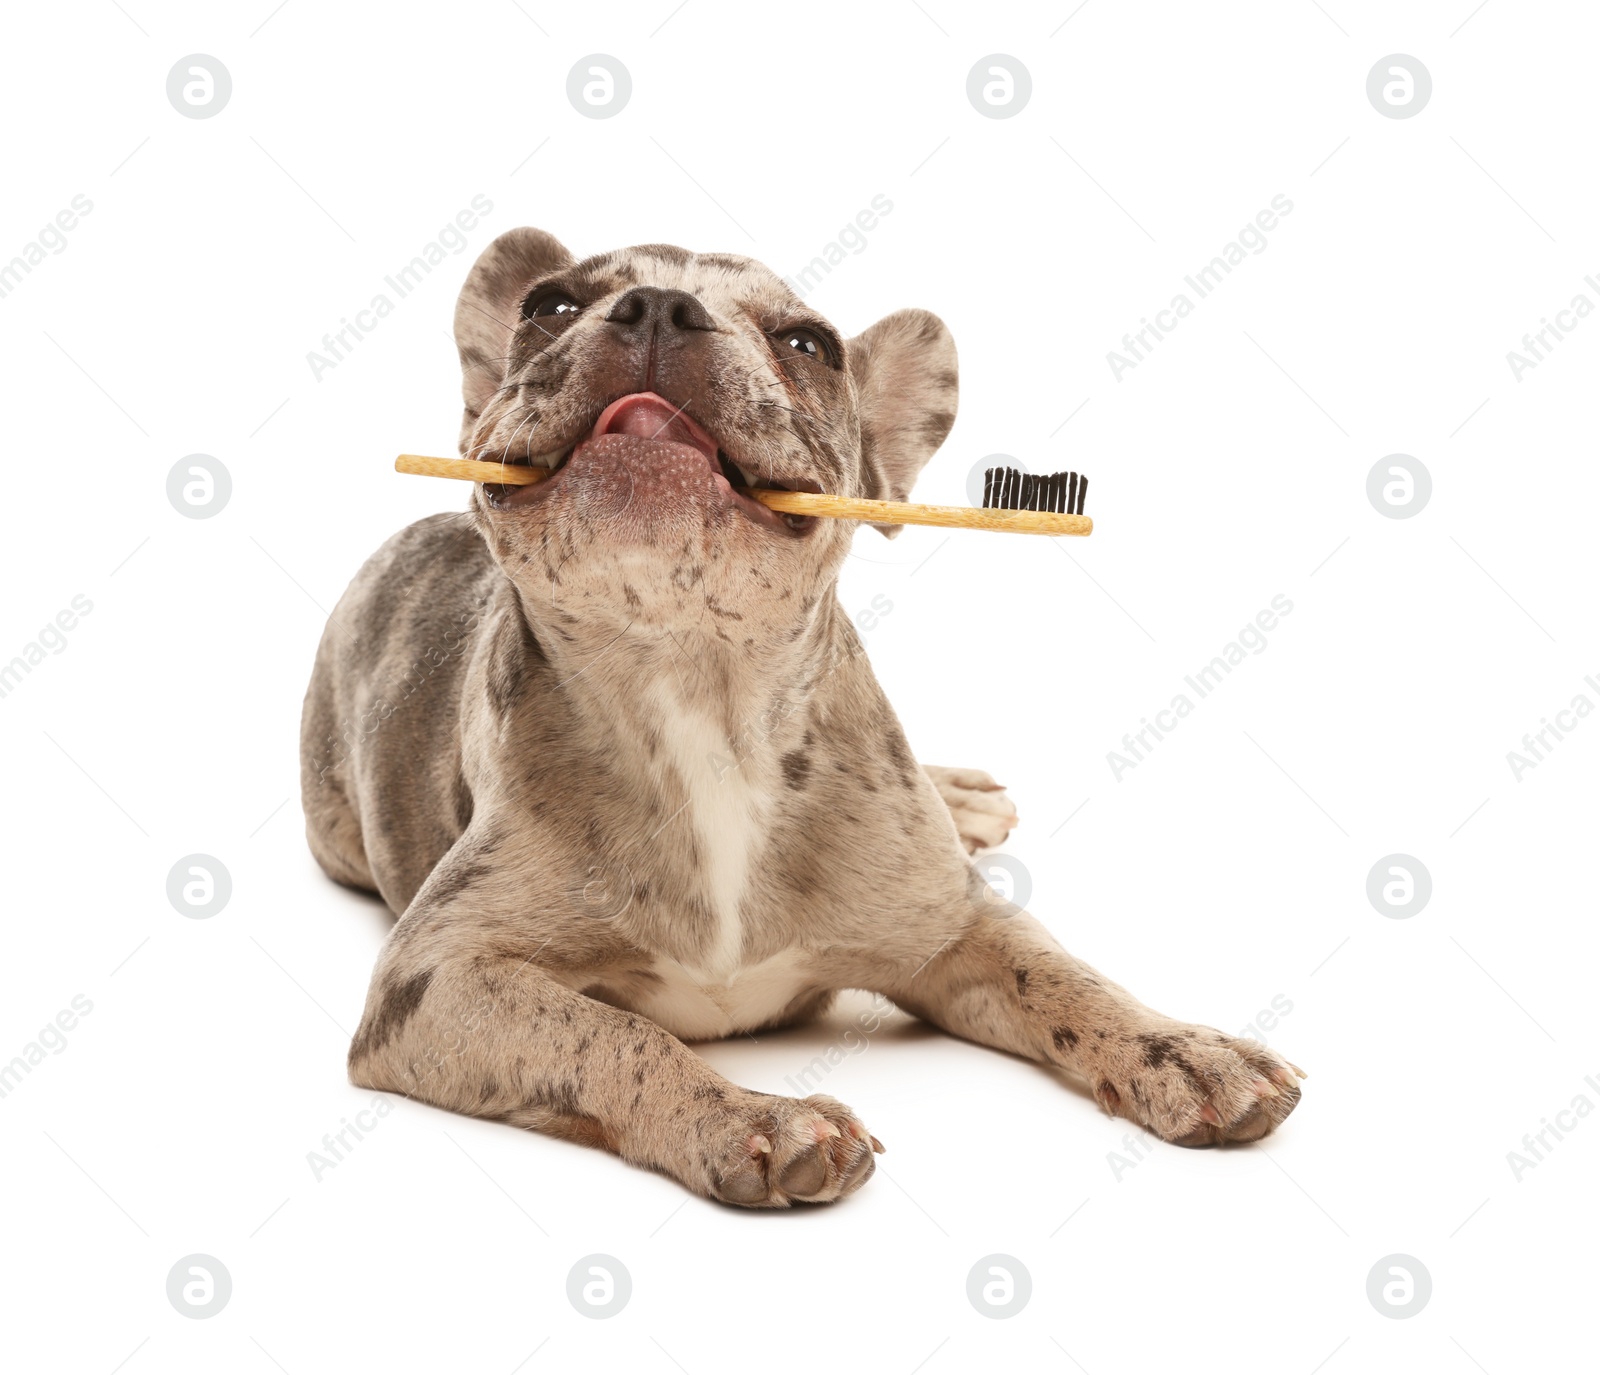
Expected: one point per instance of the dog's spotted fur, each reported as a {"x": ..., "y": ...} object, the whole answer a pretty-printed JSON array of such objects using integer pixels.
[{"x": 617, "y": 760}]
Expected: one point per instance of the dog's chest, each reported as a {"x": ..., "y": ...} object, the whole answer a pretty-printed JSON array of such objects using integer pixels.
[
  {"x": 725, "y": 799},
  {"x": 727, "y": 807},
  {"x": 697, "y": 1009}
]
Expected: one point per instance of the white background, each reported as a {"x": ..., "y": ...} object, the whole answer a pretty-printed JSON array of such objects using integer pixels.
[{"x": 1227, "y": 869}]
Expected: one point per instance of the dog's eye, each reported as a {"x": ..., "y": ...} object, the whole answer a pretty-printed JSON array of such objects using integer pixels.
[
  {"x": 806, "y": 342},
  {"x": 550, "y": 302}
]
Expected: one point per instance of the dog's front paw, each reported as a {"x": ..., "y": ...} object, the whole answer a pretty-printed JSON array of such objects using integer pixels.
[
  {"x": 774, "y": 1151},
  {"x": 1194, "y": 1086},
  {"x": 983, "y": 814}
]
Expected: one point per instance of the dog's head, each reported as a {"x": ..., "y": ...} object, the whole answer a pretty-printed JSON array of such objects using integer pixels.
[{"x": 657, "y": 382}]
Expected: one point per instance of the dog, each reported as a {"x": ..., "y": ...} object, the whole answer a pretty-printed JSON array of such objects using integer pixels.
[{"x": 609, "y": 747}]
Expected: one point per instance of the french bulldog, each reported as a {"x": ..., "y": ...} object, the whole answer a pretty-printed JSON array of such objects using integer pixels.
[{"x": 609, "y": 747}]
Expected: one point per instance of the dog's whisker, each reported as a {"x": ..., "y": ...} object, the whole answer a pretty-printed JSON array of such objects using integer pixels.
[
  {"x": 506, "y": 448},
  {"x": 491, "y": 440}
]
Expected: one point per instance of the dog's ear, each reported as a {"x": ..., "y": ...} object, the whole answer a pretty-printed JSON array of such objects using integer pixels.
[
  {"x": 489, "y": 311},
  {"x": 904, "y": 370}
]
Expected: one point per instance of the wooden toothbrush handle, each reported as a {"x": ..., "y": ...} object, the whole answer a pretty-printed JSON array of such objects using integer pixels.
[
  {"x": 511, "y": 474},
  {"x": 795, "y": 503},
  {"x": 915, "y": 513}
]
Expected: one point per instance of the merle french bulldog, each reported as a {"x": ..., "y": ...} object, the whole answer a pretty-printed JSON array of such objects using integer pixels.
[{"x": 609, "y": 746}]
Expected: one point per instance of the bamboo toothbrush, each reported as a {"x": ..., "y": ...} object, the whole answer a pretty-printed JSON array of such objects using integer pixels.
[{"x": 1023, "y": 503}]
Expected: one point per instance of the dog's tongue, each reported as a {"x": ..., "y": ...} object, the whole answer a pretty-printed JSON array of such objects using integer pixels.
[{"x": 645, "y": 415}]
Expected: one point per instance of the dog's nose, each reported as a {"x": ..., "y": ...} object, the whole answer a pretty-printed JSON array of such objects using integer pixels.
[{"x": 651, "y": 308}]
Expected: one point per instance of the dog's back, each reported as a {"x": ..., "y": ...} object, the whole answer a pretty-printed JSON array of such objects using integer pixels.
[{"x": 380, "y": 744}]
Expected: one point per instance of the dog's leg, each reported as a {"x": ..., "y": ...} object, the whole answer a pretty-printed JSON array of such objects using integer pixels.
[
  {"x": 983, "y": 814},
  {"x": 1003, "y": 981},
  {"x": 460, "y": 1017}
]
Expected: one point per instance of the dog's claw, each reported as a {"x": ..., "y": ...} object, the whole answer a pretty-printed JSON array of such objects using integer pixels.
[{"x": 822, "y": 1129}]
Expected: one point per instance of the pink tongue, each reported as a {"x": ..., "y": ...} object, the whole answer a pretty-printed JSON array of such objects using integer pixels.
[{"x": 651, "y": 420}]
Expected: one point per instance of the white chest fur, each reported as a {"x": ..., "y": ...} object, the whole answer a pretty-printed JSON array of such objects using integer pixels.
[
  {"x": 698, "y": 1010},
  {"x": 728, "y": 806}
]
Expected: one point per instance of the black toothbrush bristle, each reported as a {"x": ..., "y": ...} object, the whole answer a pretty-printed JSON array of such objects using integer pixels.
[{"x": 1011, "y": 489}]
